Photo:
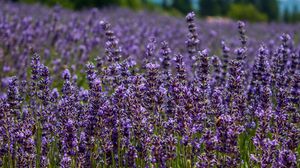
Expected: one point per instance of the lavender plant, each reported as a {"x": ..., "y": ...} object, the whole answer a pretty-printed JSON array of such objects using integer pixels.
[{"x": 77, "y": 91}]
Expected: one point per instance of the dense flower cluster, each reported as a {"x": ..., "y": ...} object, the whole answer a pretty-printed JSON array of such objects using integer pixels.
[{"x": 120, "y": 92}]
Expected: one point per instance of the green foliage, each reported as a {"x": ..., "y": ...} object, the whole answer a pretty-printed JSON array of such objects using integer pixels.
[
  {"x": 214, "y": 7},
  {"x": 123, "y": 3},
  {"x": 258, "y": 8},
  {"x": 164, "y": 4},
  {"x": 268, "y": 7},
  {"x": 291, "y": 17},
  {"x": 287, "y": 16},
  {"x": 210, "y": 8},
  {"x": 164, "y": 11},
  {"x": 64, "y": 3},
  {"x": 246, "y": 12},
  {"x": 183, "y": 6},
  {"x": 134, "y": 4},
  {"x": 225, "y": 4},
  {"x": 174, "y": 12}
]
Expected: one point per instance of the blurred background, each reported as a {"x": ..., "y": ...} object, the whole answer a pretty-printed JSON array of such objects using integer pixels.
[{"x": 252, "y": 10}]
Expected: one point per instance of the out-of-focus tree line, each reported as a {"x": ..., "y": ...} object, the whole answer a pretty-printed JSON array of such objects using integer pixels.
[
  {"x": 251, "y": 10},
  {"x": 291, "y": 17}
]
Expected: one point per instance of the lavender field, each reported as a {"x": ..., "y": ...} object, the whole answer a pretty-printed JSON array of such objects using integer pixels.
[{"x": 117, "y": 88}]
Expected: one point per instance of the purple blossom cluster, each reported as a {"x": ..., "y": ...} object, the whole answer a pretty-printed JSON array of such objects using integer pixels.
[{"x": 140, "y": 90}]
